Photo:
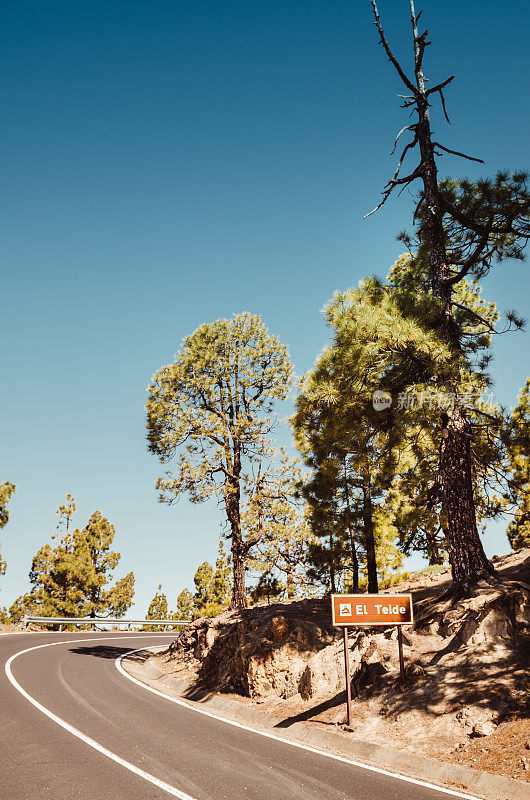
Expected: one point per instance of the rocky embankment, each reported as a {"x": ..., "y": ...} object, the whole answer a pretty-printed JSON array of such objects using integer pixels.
[{"x": 467, "y": 668}]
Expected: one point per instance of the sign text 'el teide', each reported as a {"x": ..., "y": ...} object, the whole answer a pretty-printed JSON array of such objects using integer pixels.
[{"x": 371, "y": 609}]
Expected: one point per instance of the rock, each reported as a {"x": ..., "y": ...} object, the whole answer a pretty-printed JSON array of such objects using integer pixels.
[
  {"x": 260, "y": 652},
  {"x": 366, "y": 675},
  {"x": 323, "y": 673},
  {"x": 276, "y": 671},
  {"x": 371, "y": 658},
  {"x": 414, "y": 671},
  {"x": 493, "y": 615},
  {"x": 476, "y": 721},
  {"x": 483, "y": 729},
  {"x": 280, "y": 628},
  {"x": 429, "y": 628}
]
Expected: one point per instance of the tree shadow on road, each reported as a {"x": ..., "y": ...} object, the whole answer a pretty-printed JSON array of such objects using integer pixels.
[{"x": 110, "y": 652}]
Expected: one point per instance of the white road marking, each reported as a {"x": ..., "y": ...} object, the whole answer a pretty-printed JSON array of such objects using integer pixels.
[
  {"x": 299, "y": 745},
  {"x": 171, "y": 790}
]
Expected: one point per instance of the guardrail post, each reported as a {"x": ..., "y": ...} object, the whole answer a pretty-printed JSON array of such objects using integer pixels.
[{"x": 25, "y": 622}]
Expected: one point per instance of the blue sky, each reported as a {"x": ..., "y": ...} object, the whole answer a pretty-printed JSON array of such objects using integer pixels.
[{"x": 170, "y": 163}]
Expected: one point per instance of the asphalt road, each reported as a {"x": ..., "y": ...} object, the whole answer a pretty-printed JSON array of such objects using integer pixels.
[{"x": 195, "y": 755}]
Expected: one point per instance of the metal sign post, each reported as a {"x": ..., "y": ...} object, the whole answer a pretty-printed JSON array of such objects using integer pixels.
[
  {"x": 401, "y": 659},
  {"x": 347, "y": 672},
  {"x": 368, "y": 610}
]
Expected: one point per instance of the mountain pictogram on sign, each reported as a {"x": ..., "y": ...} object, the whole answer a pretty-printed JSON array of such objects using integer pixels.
[{"x": 345, "y": 610}]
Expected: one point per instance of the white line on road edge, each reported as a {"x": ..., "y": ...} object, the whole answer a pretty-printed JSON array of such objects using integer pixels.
[
  {"x": 84, "y": 738},
  {"x": 300, "y": 745}
]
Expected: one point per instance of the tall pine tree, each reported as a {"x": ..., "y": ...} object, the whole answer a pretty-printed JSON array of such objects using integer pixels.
[
  {"x": 213, "y": 410},
  {"x": 462, "y": 229}
]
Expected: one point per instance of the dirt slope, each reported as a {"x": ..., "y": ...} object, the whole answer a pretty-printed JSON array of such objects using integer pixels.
[{"x": 467, "y": 693}]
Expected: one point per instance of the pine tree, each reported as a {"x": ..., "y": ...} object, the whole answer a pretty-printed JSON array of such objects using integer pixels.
[
  {"x": 212, "y": 409},
  {"x": 267, "y": 588},
  {"x": 202, "y": 599},
  {"x": 157, "y": 610},
  {"x": 184, "y": 605},
  {"x": 335, "y": 551},
  {"x": 73, "y": 578},
  {"x": 282, "y": 551},
  {"x": 212, "y": 588},
  {"x": 351, "y": 446},
  {"x": 65, "y": 513},
  {"x": 462, "y": 228},
  {"x": 388, "y": 556},
  {"x": 220, "y": 586},
  {"x": 418, "y": 494},
  {"x": 381, "y": 344},
  {"x": 6, "y": 491},
  {"x": 278, "y": 514},
  {"x": 517, "y": 497}
]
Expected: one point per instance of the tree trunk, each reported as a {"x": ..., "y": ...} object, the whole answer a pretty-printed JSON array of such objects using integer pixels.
[
  {"x": 332, "y": 565},
  {"x": 289, "y": 582},
  {"x": 239, "y": 594},
  {"x": 355, "y": 563},
  {"x": 232, "y": 500},
  {"x": 354, "y": 559},
  {"x": 466, "y": 554},
  {"x": 434, "y": 553},
  {"x": 369, "y": 539}
]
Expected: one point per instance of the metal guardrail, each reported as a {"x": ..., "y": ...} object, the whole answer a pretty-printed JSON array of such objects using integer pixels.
[{"x": 60, "y": 621}]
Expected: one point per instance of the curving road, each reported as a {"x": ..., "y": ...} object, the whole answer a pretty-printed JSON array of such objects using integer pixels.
[{"x": 73, "y": 727}]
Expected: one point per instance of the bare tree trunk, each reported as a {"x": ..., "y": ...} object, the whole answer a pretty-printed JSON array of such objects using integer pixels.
[
  {"x": 332, "y": 564},
  {"x": 354, "y": 559},
  {"x": 369, "y": 539},
  {"x": 355, "y": 562}
]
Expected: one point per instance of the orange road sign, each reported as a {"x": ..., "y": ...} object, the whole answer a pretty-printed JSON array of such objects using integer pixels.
[{"x": 371, "y": 609}]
